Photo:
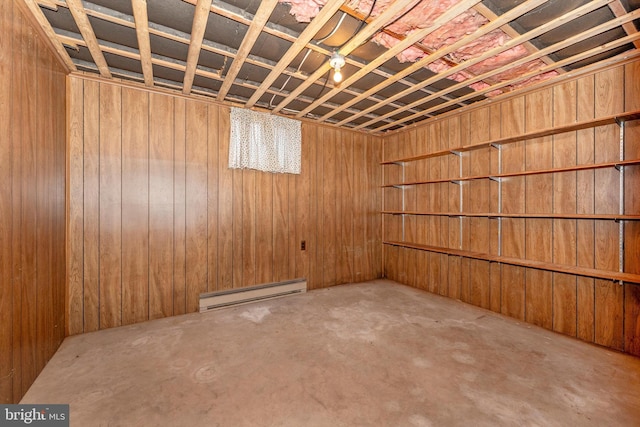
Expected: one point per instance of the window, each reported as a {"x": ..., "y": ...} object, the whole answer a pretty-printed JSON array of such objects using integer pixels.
[{"x": 264, "y": 142}]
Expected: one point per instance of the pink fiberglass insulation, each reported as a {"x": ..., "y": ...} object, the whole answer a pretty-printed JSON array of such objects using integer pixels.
[
  {"x": 464, "y": 24},
  {"x": 411, "y": 54},
  {"x": 304, "y": 10},
  {"x": 421, "y": 14},
  {"x": 417, "y": 15}
]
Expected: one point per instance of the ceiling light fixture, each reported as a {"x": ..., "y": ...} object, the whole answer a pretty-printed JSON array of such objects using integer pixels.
[{"x": 337, "y": 62}]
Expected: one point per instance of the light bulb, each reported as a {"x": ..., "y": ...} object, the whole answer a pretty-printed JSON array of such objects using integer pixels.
[{"x": 337, "y": 75}]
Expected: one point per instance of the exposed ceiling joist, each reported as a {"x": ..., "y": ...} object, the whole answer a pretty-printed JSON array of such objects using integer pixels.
[
  {"x": 618, "y": 10},
  {"x": 305, "y": 37},
  {"x": 395, "y": 50},
  {"x": 553, "y": 48},
  {"x": 50, "y": 33},
  {"x": 490, "y": 15},
  {"x": 82, "y": 21},
  {"x": 348, "y": 47},
  {"x": 144, "y": 44},
  {"x": 406, "y": 60},
  {"x": 485, "y": 29},
  {"x": 574, "y": 14},
  {"x": 258, "y": 23},
  {"x": 197, "y": 35}
]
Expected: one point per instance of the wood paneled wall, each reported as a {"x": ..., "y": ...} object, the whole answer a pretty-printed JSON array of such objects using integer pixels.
[
  {"x": 156, "y": 217},
  {"x": 594, "y": 310},
  {"x": 32, "y": 195}
]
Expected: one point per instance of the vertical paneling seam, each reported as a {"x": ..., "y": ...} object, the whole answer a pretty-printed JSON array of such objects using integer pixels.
[{"x": 148, "y": 205}]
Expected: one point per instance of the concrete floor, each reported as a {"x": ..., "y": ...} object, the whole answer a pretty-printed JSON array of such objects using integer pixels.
[{"x": 371, "y": 354}]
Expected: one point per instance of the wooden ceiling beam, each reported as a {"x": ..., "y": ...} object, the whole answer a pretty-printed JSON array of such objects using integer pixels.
[
  {"x": 82, "y": 21},
  {"x": 49, "y": 4},
  {"x": 172, "y": 64},
  {"x": 562, "y": 63},
  {"x": 508, "y": 30},
  {"x": 326, "y": 13},
  {"x": 200, "y": 18},
  {"x": 550, "y": 49},
  {"x": 485, "y": 29},
  {"x": 259, "y": 20},
  {"x": 45, "y": 27},
  {"x": 571, "y": 15},
  {"x": 414, "y": 37},
  {"x": 368, "y": 31},
  {"x": 629, "y": 27},
  {"x": 144, "y": 43},
  {"x": 175, "y": 35}
]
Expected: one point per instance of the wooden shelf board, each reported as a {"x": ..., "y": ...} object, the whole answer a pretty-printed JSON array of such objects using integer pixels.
[
  {"x": 592, "y": 123},
  {"x": 614, "y": 217},
  {"x": 579, "y": 271},
  {"x": 502, "y": 176}
]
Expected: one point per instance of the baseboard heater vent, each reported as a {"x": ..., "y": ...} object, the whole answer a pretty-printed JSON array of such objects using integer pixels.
[{"x": 216, "y": 300}]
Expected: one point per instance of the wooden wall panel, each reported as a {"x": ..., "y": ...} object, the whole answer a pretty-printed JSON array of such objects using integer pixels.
[
  {"x": 179, "y": 208},
  {"x": 196, "y": 202},
  {"x": 6, "y": 209},
  {"x": 110, "y": 219},
  {"x": 513, "y": 201},
  {"x": 75, "y": 211},
  {"x": 213, "y": 165},
  {"x": 539, "y": 199},
  {"x": 585, "y": 202},
  {"x": 632, "y": 204},
  {"x": 32, "y": 204},
  {"x": 197, "y": 225},
  {"x": 161, "y": 207},
  {"x": 371, "y": 182},
  {"x": 600, "y": 311},
  {"x": 564, "y": 202},
  {"x": 135, "y": 207},
  {"x": 91, "y": 209},
  {"x": 609, "y": 96}
]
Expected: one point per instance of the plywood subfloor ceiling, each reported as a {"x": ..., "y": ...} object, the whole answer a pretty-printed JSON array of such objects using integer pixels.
[{"x": 406, "y": 60}]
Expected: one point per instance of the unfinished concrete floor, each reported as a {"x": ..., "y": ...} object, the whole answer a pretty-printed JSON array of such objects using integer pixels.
[{"x": 370, "y": 354}]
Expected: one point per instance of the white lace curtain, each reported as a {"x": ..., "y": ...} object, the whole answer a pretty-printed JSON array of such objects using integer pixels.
[{"x": 264, "y": 142}]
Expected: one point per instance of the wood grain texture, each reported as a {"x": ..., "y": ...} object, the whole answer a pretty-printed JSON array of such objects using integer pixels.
[
  {"x": 539, "y": 198},
  {"x": 18, "y": 163},
  {"x": 31, "y": 142},
  {"x": 632, "y": 204},
  {"x": 280, "y": 228},
  {"x": 237, "y": 228},
  {"x": 75, "y": 211},
  {"x": 211, "y": 228},
  {"x": 585, "y": 203},
  {"x": 32, "y": 205},
  {"x": 110, "y": 222},
  {"x": 565, "y": 201},
  {"x": 513, "y": 201},
  {"x": 179, "y": 209},
  {"x": 135, "y": 207},
  {"x": 161, "y": 197},
  {"x": 91, "y": 208},
  {"x": 329, "y": 217},
  {"x": 196, "y": 202},
  {"x": 7, "y": 346},
  {"x": 593, "y": 310}
]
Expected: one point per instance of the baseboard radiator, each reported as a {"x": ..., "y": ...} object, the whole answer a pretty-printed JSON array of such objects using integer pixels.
[{"x": 216, "y": 300}]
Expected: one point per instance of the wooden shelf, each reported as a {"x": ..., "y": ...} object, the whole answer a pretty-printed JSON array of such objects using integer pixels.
[
  {"x": 614, "y": 217},
  {"x": 608, "y": 120},
  {"x": 497, "y": 177},
  {"x": 579, "y": 271}
]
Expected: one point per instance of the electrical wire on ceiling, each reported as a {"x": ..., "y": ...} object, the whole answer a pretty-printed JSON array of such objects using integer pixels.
[{"x": 331, "y": 33}]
